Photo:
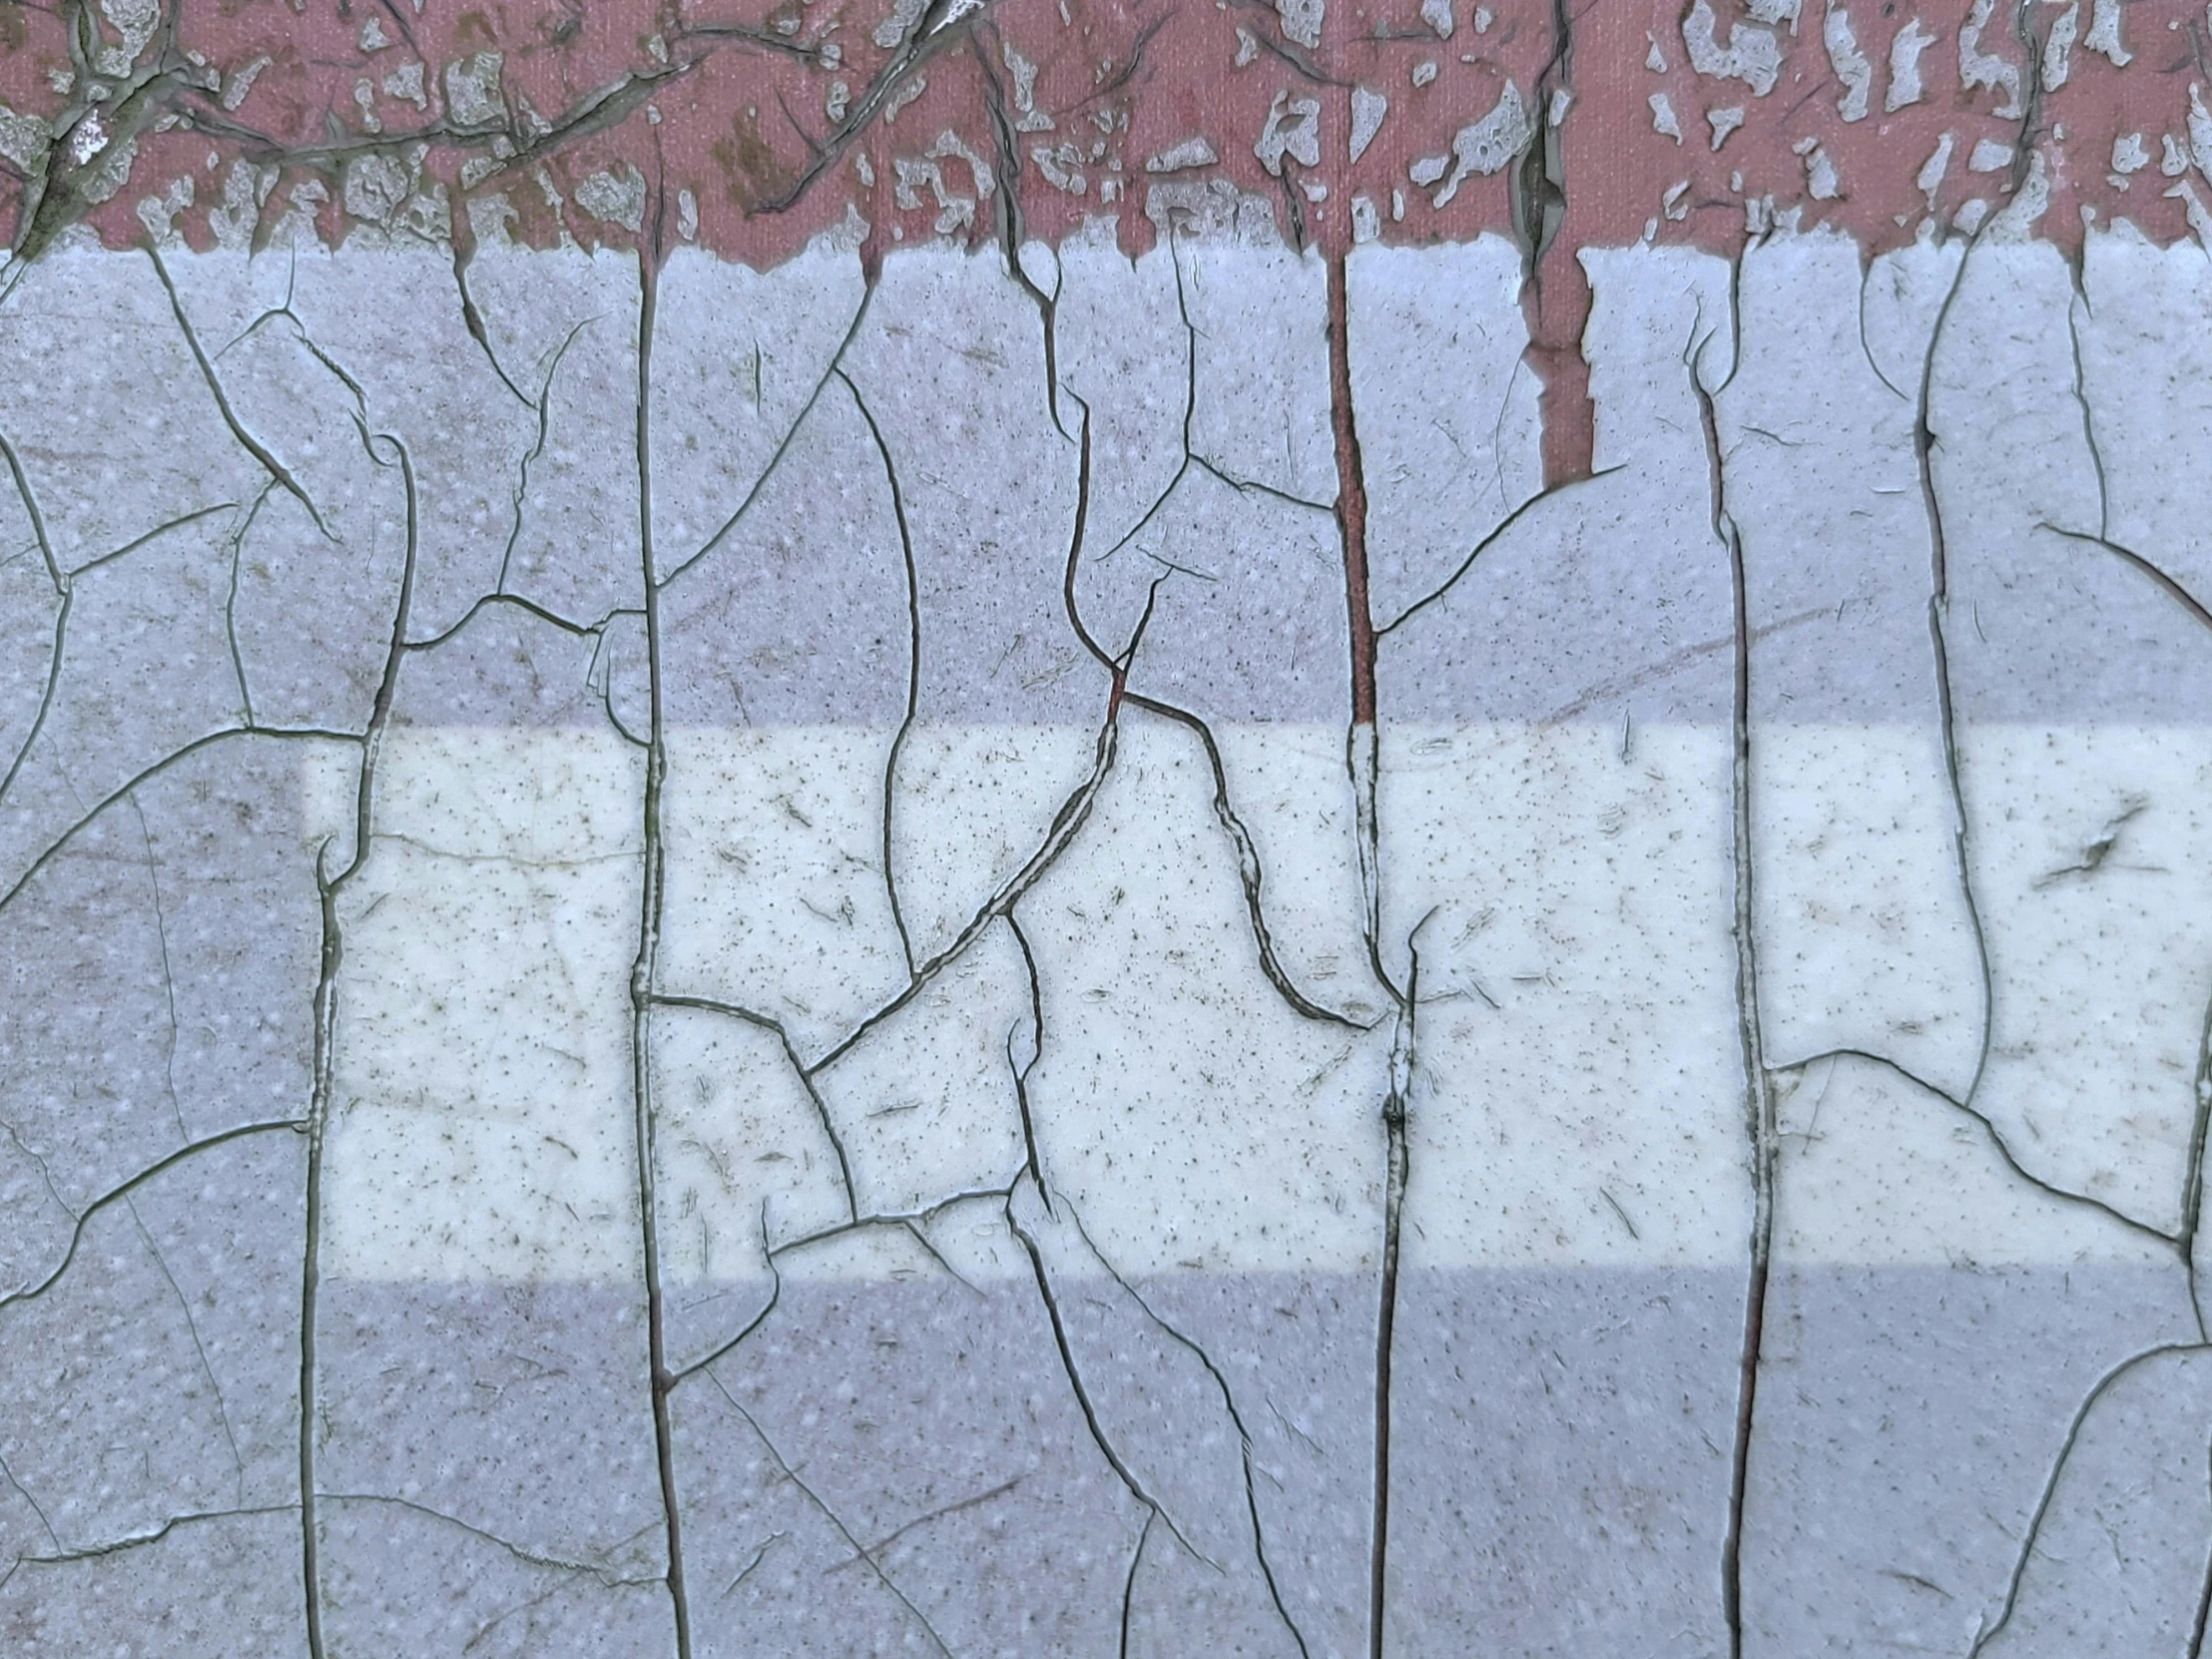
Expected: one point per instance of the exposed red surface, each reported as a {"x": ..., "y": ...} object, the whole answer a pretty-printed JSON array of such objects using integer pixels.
[
  {"x": 740, "y": 96},
  {"x": 1351, "y": 498},
  {"x": 722, "y": 108}
]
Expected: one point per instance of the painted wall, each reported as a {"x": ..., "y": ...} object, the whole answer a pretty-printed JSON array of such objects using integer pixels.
[{"x": 1158, "y": 829}]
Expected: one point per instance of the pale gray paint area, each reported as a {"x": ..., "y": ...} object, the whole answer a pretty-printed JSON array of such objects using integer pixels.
[{"x": 1020, "y": 946}]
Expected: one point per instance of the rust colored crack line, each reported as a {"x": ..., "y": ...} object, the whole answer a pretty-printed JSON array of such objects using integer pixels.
[
  {"x": 643, "y": 968},
  {"x": 1556, "y": 294},
  {"x": 1362, "y": 759},
  {"x": 1351, "y": 497}
]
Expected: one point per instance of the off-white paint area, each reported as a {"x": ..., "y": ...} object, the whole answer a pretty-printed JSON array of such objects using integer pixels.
[{"x": 1579, "y": 1092}]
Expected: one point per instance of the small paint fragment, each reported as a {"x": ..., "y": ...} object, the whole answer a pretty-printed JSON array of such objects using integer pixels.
[
  {"x": 1191, "y": 152},
  {"x": 1931, "y": 178},
  {"x": 2104, "y": 33},
  {"x": 1367, "y": 109},
  {"x": 1485, "y": 146},
  {"x": 2059, "y": 49},
  {"x": 472, "y": 91},
  {"x": 1978, "y": 68},
  {"x": 1905, "y": 65},
  {"x": 1852, "y": 66},
  {"x": 1293, "y": 129},
  {"x": 1820, "y": 176},
  {"x": 1302, "y": 20},
  {"x": 617, "y": 196},
  {"x": 1752, "y": 54}
]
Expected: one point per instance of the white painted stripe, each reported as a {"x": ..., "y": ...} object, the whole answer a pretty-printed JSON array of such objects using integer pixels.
[{"x": 1579, "y": 1071}]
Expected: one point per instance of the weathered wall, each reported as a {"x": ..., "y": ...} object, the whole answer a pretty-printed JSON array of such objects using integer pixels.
[{"x": 1165, "y": 829}]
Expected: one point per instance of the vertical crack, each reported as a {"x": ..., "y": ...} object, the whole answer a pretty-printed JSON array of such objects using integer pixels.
[
  {"x": 1759, "y": 1104},
  {"x": 199, "y": 1347},
  {"x": 64, "y": 592},
  {"x": 55, "y": 1538},
  {"x": 1925, "y": 443},
  {"x": 1362, "y": 761},
  {"x": 238, "y": 533},
  {"x": 913, "y": 662},
  {"x": 543, "y": 409},
  {"x": 472, "y": 318},
  {"x": 1351, "y": 501},
  {"x": 643, "y": 971},
  {"x": 2192, "y": 1187},
  {"x": 2204, "y": 1587},
  {"x": 1129, "y": 1585},
  {"x": 169, "y": 974},
  {"x": 329, "y": 890},
  {"x": 1555, "y": 293}
]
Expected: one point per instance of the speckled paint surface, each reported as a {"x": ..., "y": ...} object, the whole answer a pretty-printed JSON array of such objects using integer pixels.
[{"x": 1035, "y": 828}]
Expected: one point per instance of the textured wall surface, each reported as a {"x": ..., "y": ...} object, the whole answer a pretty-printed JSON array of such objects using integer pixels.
[{"x": 1101, "y": 826}]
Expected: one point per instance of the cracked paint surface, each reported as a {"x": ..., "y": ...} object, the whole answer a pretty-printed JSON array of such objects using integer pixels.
[{"x": 1054, "y": 827}]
